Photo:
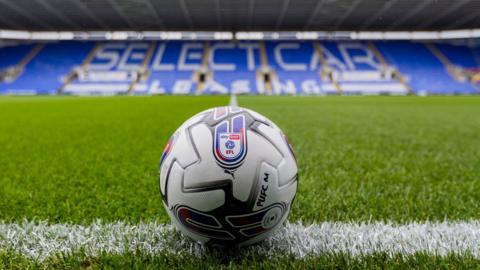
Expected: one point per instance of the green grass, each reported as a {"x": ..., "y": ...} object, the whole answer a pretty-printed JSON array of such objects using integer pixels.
[
  {"x": 136, "y": 260},
  {"x": 67, "y": 159},
  {"x": 82, "y": 159},
  {"x": 360, "y": 158},
  {"x": 382, "y": 158}
]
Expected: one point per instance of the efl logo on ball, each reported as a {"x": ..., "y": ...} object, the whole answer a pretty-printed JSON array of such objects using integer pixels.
[{"x": 229, "y": 146}]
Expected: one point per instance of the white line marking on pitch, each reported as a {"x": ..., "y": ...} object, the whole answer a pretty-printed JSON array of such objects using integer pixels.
[
  {"x": 40, "y": 240},
  {"x": 233, "y": 101}
]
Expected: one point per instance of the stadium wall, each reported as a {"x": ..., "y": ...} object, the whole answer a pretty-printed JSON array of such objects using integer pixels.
[{"x": 219, "y": 67}]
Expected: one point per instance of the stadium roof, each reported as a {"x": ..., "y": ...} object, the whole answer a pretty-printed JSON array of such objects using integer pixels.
[{"x": 239, "y": 15}]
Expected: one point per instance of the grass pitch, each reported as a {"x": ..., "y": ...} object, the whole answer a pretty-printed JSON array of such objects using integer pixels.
[
  {"x": 401, "y": 159},
  {"x": 81, "y": 159},
  {"x": 382, "y": 158},
  {"x": 134, "y": 260}
]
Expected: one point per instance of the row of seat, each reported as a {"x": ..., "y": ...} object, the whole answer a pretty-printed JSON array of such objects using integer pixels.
[{"x": 216, "y": 67}]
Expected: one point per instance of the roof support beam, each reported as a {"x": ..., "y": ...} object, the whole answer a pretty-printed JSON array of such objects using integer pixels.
[
  {"x": 352, "y": 7},
  {"x": 431, "y": 20},
  {"x": 89, "y": 14},
  {"x": 388, "y": 4},
  {"x": 154, "y": 11},
  {"x": 280, "y": 18},
  {"x": 186, "y": 13},
  {"x": 10, "y": 23},
  {"x": 57, "y": 14},
  {"x": 26, "y": 14},
  {"x": 463, "y": 20},
  {"x": 311, "y": 18},
  {"x": 250, "y": 14},
  {"x": 420, "y": 6},
  {"x": 218, "y": 14},
  {"x": 120, "y": 13},
  {"x": 317, "y": 15}
]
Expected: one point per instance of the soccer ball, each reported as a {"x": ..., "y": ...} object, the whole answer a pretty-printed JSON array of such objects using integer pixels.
[{"x": 228, "y": 177}]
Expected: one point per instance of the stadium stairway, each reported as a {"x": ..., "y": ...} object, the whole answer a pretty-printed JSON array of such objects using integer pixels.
[
  {"x": 173, "y": 66},
  {"x": 458, "y": 54},
  {"x": 462, "y": 62},
  {"x": 103, "y": 71},
  {"x": 14, "y": 63},
  {"x": 10, "y": 56},
  {"x": 425, "y": 73},
  {"x": 43, "y": 74},
  {"x": 294, "y": 73},
  {"x": 358, "y": 68}
]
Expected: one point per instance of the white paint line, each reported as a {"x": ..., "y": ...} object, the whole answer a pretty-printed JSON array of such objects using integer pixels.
[
  {"x": 233, "y": 101},
  {"x": 40, "y": 240}
]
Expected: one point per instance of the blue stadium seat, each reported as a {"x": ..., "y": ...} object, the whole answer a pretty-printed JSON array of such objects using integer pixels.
[
  {"x": 44, "y": 74},
  {"x": 425, "y": 73},
  {"x": 291, "y": 62},
  {"x": 458, "y": 55},
  {"x": 232, "y": 71},
  {"x": 11, "y": 55},
  {"x": 167, "y": 76},
  {"x": 349, "y": 67}
]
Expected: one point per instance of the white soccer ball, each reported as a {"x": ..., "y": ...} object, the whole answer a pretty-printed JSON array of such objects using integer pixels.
[{"x": 228, "y": 176}]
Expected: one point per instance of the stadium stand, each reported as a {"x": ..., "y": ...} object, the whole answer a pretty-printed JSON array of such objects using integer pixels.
[
  {"x": 246, "y": 67},
  {"x": 425, "y": 71},
  {"x": 462, "y": 62},
  {"x": 232, "y": 68}
]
